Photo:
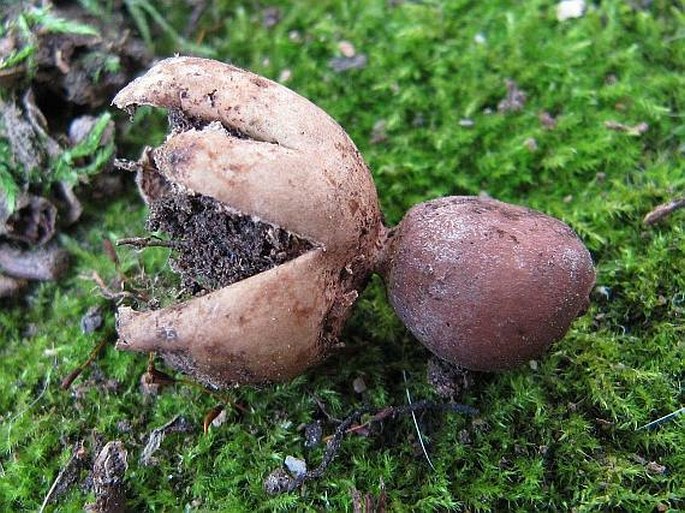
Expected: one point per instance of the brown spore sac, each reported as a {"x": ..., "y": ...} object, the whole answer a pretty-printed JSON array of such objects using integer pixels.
[
  {"x": 215, "y": 246},
  {"x": 486, "y": 285}
]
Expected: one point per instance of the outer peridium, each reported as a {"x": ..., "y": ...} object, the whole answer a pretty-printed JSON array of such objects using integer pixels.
[{"x": 294, "y": 167}]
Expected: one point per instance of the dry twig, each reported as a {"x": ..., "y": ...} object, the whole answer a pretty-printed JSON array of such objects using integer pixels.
[{"x": 662, "y": 211}]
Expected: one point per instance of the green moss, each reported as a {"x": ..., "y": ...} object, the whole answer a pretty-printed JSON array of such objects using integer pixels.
[{"x": 560, "y": 436}]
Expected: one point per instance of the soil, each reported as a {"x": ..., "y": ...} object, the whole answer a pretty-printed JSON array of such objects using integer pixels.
[
  {"x": 216, "y": 245},
  {"x": 449, "y": 381}
]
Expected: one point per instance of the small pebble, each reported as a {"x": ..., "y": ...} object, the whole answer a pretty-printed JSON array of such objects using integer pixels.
[
  {"x": 569, "y": 9},
  {"x": 655, "y": 468},
  {"x": 347, "y": 49},
  {"x": 270, "y": 17},
  {"x": 220, "y": 419},
  {"x": 359, "y": 385},
  {"x": 296, "y": 466},
  {"x": 285, "y": 75},
  {"x": 547, "y": 120},
  {"x": 379, "y": 132}
]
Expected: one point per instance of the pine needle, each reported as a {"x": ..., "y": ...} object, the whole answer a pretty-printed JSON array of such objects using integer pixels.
[
  {"x": 416, "y": 423},
  {"x": 662, "y": 420}
]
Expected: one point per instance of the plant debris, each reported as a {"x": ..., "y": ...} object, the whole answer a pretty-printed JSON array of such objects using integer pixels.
[
  {"x": 109, "y": 469},
  {"x": 69, "y": 475},
  {"x": 368, "y": 503},
  {"x": 214, "y": 417},
  {"x": 547, "y": 121},
  {"x": 342, "y": 64},
  {"x": 178, "y": 424},
  {"x": 312, "y": 434},
  {"x": 634, "y": 130},
  {"x": 31, "y": 222},
  {"x": 91, "y": 320},
  {"x": 11, "y": 287},
  {"x": 279, "y": 481},
  {"x": 661, "y": 212},
  {"x": 71, "y": 377},
  {"x": 515, "y": 99},
  {"x": 153, "y": 381},
  {"x": 75, "y": 55},
  {"x": 58, "y": 66}
]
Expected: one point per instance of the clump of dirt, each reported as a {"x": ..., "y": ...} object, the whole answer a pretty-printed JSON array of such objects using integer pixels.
[
  {"x": 214, "y": 245},
  {"x": 449, "y": 381}
]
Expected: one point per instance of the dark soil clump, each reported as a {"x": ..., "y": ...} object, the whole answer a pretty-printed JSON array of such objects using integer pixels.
[
  {"x": 217, "y": 246},
  {"x": 449, "y": 381}
]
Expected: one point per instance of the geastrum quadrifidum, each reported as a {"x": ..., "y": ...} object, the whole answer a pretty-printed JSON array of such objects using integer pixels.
[{"x": 292, "y": 229}]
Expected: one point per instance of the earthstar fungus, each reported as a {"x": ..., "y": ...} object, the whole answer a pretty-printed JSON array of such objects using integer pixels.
[{"x": 291, "y": 229}]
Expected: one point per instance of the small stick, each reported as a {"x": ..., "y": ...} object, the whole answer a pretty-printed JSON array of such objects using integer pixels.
[
  {"x": 199, "y": 8},
  {"x": 322, "y": 407},
  {"x": 66, "y": 382},
  {"x": 110, "y": 295},
  {"x": 111, "y": 253},
  {"x": 153, "y": 376},
  {"x": 662, "y": 211}
]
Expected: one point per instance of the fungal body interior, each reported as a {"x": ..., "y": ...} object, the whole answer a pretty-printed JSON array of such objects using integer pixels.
[
  {"x": 276, "y": 218},
  {"x": 277, "y": 227}
]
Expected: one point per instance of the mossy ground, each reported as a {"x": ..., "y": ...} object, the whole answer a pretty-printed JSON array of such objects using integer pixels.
[{"x": 553, "y": 437}]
